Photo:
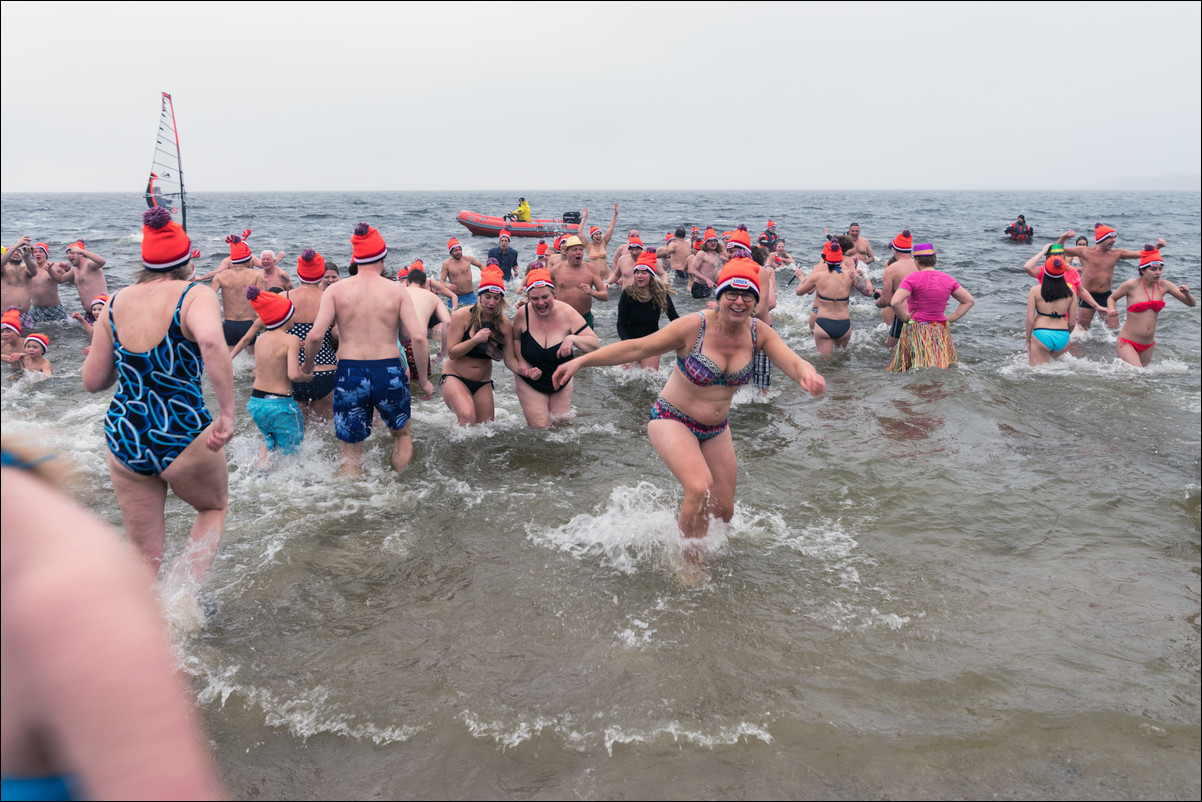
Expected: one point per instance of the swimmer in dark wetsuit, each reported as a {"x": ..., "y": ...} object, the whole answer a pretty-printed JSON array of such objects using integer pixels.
[
  {"x": 480, "y": 333},
  {"x": 552, "y": 322},
  {"x": 688, "y": 425}
]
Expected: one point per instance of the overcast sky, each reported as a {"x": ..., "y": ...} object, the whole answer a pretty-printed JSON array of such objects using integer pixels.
[{"x": 481, "y": 96}]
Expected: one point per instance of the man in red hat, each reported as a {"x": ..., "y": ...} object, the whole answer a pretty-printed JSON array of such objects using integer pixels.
[
  {"x": 456, "y": 273},
  {"x": 46, "y": 304},
  {"x": 768, "y": 237},
  {"x": 236, "y": 312},
  {"x": 87, "y": 274},
  {"x": 370, "y": 311},
  {"x": 1097, "y": 268},
  {"x": 18, "y": 270}
]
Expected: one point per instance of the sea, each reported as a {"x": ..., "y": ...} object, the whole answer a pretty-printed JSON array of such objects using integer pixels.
[{"x": 982, "y": 582}]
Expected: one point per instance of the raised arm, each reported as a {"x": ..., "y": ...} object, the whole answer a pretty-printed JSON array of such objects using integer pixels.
[
  {"x": 793, "y": 365},
  {"x": 609, "y": 232}
]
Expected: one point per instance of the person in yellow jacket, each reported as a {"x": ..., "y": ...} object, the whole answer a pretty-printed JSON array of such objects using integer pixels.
[{"x": 522, "y": 214}]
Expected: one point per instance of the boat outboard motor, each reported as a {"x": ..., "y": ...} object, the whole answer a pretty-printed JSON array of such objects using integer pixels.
[{"x": 571, "y": 217}]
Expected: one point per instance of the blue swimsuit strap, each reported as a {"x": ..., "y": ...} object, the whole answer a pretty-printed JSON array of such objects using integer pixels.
[{"x": 10, "y": 460}]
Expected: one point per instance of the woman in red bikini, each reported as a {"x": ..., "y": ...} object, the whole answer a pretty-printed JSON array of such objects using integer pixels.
[{"x": 1137, "y": 340}]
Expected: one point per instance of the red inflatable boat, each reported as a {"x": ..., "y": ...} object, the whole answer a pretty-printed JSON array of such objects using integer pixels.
[{"x": 483, "y": 225}]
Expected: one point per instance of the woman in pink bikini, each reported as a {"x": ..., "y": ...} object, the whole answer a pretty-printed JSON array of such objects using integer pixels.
[{"x": 1145, "y": 299}]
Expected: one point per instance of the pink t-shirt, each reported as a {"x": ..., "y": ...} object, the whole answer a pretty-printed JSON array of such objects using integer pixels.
[{"x": 929, "y": 291}]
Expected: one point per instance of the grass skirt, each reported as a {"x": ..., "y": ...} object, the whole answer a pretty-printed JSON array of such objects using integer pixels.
[{"x": 923, "y": 345}]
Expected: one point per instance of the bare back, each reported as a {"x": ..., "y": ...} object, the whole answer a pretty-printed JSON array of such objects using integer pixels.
[
  {"x": 367, "y": 308},
  {"x": 232, "y": 285}
]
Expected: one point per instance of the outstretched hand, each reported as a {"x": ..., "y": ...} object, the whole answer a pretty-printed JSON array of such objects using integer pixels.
[{"x": 564, "y": 373}]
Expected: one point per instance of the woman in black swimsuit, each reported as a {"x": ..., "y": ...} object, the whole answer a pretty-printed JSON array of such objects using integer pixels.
[
  {"x": 478, "y": 335},
  {"x": 541, "y": 342},
  {"x": 832, "y": 326}
]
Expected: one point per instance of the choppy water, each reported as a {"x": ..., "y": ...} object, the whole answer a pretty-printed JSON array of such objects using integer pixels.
[{"x": 971, "y": 583}]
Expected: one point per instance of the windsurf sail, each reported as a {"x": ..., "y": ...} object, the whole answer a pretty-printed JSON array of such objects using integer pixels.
[{"x": 165, "y": 187}]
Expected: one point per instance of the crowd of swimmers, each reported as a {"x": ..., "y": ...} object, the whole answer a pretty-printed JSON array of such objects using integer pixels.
[{"x": 348, "y": 348}]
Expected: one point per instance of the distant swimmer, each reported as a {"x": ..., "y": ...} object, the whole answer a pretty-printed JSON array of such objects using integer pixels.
[
  {"x": 46, "y": 304},
  {"x": 1097, "y": 268},
  {"x": 900, "y": 265},
  {"x": 706, "y": 265},
  {"x": 597, "y": 243},
  {"x": 456, "y": 273},
  {"x": 507, "y": 257},
  {"x": 1051, "y": 313},
  {"x": 921, "y": 303},
  {"x": 676, "y": 253},
  {"x": 860, "y": 248},
  {"x": 1145, "y": 299},
  {"x": 768, "y": 237},
  {"x": 370, "y": 312},
  {"x": 37, "y": 345},
  {"x": 577, "y": 282},
  {"x": 18, "y": 268},
  {"x": 480, "y": 334},
  {"x": 231, "y": 284},
  {"x": 87, "y": 274},
  {"x": 541, "y": 342},
  {"x": 1019, "y": 231},
  {"x": 521, "y": 213},
  {"x": 273, "y": 276},
  {"x": 688, "y": 426},
  {"x": 10, "y": 338},
  {"x": 624, "y": 262}
]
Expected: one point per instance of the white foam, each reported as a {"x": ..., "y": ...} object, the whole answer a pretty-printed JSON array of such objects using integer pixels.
[
  {"x": 632, "y": 530},
  {"x": 571, "y": 735}
]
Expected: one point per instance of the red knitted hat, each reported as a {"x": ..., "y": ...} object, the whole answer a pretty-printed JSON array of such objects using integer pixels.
[
  {"x": 541, "y": 250},
  {"x": 452, "y": 244},
  {"x": 368, "y": 246},
  {"x": 832, "y": 253},
  {"x": 165, "y": 244},
  {"x": 273, "y": 309},
  {"x": 646, "y": 262},
  {"x": 11, "y": 320},
  {"x": 634, "y": 242},
  {"x": 99, "y": 299},
  {"x": 739, "y": 273},
  {"x": 710, "y": 234},
  {"x": 1150, "y": 257},
  {"x": 310, "y": 266},
  {"x": 239, "y": 250},
  {"x": 1054, "y": 266},
  {"x": 1101, "y": 232},
  {"x": 492, "y": 279},
  {"x": 40, "y": 339},
  {"x": 539, "y": 277},
  {"x": 504, "y": 233},
  {"x": 740, "y": 238},
  {"x": 903, "y": 242}
]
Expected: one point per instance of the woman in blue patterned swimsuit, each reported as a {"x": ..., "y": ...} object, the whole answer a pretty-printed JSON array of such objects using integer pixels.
[
  {"x": 714, "y": 355},
  {"x": 154, "y": 339}
]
